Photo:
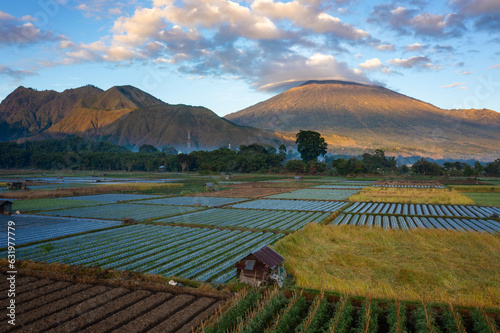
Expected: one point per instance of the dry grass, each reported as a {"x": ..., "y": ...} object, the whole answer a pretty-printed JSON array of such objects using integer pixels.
[
  {"x": 444, "y": 266},
  {"x": 91, "y": 190},
  {"x": 476, "y": 188},
  {"x": 416, "y": 196}
]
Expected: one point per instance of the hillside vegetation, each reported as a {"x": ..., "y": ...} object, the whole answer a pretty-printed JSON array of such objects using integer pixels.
[{"x": 443, "y": 266}]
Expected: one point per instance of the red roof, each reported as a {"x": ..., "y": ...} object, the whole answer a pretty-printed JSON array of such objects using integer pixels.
[{"x": 269, "y": 257}]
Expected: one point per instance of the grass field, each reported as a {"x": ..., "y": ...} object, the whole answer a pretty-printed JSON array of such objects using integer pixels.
[
  {"x": 442, "y": 266},
  {"x": 409, "y": 195},
  {"x": 485, "y": 199},
  {"x": 48, "y": 204}
]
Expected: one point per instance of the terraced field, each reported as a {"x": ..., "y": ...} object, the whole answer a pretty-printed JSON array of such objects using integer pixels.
[
  {"x": 248, "y": 218},
  {"x": 422, "y": 209},
  {"x": 409, "y": 222},
  {"x": 50, "y": 204},
  {"x": 190, "y": 201},
  {"x": 119, "y": 211},
  {"x": 301, "y": 205},
  {"x": 197, "y": 253},
  {"x": 34, "y": 228},
  {"x": 58, "y": 306},
  {"x": 315, "y": 194}
]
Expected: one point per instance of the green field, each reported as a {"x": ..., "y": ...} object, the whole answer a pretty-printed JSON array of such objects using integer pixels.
[{"x": 485, "y": 199}]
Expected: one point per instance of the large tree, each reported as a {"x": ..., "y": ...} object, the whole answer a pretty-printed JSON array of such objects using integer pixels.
[{"x": 310, "y": 145}]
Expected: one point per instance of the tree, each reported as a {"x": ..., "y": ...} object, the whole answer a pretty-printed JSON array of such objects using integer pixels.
[
  {"x": 478, "y": 168},
  {"x": 147, "y": 149},
  {"x": 468, "y": 171},
  {"x": 310, "y": 145},
  {"x": 493, "y": 169},
  {"x": 169, "y": 150}
]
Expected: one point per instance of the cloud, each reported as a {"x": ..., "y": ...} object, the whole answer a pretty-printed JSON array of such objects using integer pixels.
[
  {"x": 267, "y": 42},
  {"x": 494, "y": 66},
  {"x": 15, "y": 73},
  {"x": 413, "y": 62},
  {"x": 385, "y": 47},
  {"x": 414, "y": 47},
  {"x": 21, "y": 31},
  {"x": 374, "y": 64},
  {"x": 411, "y": 22},
  {"x": 454, "y": 85},
  {"x": 281, "y": 75},
  {"x": 464, "y": 73},
  {"x": 484, "y": 13}
]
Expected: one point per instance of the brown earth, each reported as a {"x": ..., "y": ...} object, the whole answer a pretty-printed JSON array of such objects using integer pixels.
[{"x": 64, "y": 306}]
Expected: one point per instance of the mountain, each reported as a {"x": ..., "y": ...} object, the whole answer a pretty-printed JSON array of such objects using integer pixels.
[
  {"x": 123, "y": 115},
  {"x": 28, "y": 112},
  {"x": 355, "y": 118}
]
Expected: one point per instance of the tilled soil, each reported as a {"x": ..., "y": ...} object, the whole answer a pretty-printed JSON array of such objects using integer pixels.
[
  {"x": 252, "y": 190},
  {"x": 44, "y": 305}
]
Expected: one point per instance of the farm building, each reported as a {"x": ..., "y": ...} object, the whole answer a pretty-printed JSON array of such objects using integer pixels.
[
  {"x": 210, "y": 187},
  {"x": 260, "y": 267},
  {"x": 5, "y": 207}
]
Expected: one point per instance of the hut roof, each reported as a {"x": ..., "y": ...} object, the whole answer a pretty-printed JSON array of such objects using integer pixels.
[
  {"x": 269, "y": 257},
  {"x": 4, "y": 201}
]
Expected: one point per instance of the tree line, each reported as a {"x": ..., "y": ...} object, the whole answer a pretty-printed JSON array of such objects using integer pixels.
[{"x": 79, "y": 154}]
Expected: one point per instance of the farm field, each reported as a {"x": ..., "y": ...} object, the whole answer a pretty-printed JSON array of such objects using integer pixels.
[
  {"x": 190, "y": 201},
  {"x": 344, "y": 187},
  {"x": 50, "y": 204},
  {"x": 34, "y": 228},
  {"x": 196, "y": 253},
  {"x": 248, "y": 218},
  {"x": 422, "y": 210},
  {"x": 411, "y": 195},
  {"x": 301, "y": 205},
  {"x": 119, "y": 211},
  {"x": 484, "y": 199},
  {"x": 439, "y": 265},
  {"x": 83, "y": 307},
  {"x": 113, "y": 197},
  {"x": 408, "y": 222},
  {"x": 315, "y": 194},
  {"x": 319, "y": 312}
]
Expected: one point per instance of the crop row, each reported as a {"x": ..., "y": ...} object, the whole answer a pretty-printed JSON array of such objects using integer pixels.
[
  {"x": 408, "y": 186},
  {"x": 315, "y": 194},
  {"x": 409, "y": 222},
  {"x": 281, "y": 204},
  {"x": 190, "y": 201},
  {"x": 248, "y": 218},
  {"x": 33, "y": 228},
  {"x": 422, "y": 209},
  {"x": 272, "y": 312},
  {"x": 197, "y": 253},
  {"x": 122, "y": 210}
]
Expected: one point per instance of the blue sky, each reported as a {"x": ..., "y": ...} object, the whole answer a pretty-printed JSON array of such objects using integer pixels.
[{"x": 227, "y": 55}]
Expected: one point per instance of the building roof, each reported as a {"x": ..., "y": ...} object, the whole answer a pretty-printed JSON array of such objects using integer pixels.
[
  {"x": 269, "y": 257},
  {"x": 4, "y": 201}
]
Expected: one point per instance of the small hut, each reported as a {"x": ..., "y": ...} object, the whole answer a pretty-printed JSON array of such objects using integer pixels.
[
  {"x": 5, "y": 207},
  {"x": 210, "y": 187},
  {"x": 260, "y": 268},
  {"x": 17, "y": 186}
]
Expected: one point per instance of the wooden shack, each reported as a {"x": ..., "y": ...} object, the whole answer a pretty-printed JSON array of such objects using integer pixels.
[
  {"x": 260, "y": 267},
  {"x": 210, "y": 187},
  {"x": 5, "y": 207}
]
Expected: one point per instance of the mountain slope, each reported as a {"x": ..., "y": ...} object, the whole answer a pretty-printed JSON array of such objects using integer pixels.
[
  {"x": 355, "y": 117},
  {"x": 119, "y": 97},
  {"x": 166, "y": 124},
  {"x": 26, "y": 111}
]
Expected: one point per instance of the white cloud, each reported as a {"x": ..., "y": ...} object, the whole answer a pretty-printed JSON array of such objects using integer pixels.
[
  {"x": 375, "y": 64},
  {"x": 454, "y": 85},
  {"x": 414, "y": 47},
  {"x": 413, "y": 62},
  {"x": 385, "y": 47},
  {"x": 494, "y": 66}
]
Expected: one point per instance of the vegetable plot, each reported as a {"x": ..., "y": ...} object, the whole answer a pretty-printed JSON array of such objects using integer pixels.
[
  {"x": 413, "y": 222},
  {"x": 305, "y": 205},
  {"x": 196, "y": 253},
  {"x": 119, "y": 211},
  {"x": 248, "y": 218},
  {"x": 33, "y": 228},
  {"x": 315, "y": 194},
  {"x": 190, "y": 201}
]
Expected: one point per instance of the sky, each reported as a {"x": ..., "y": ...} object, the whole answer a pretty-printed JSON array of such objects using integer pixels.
[{"x": 228, "y": 55}]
